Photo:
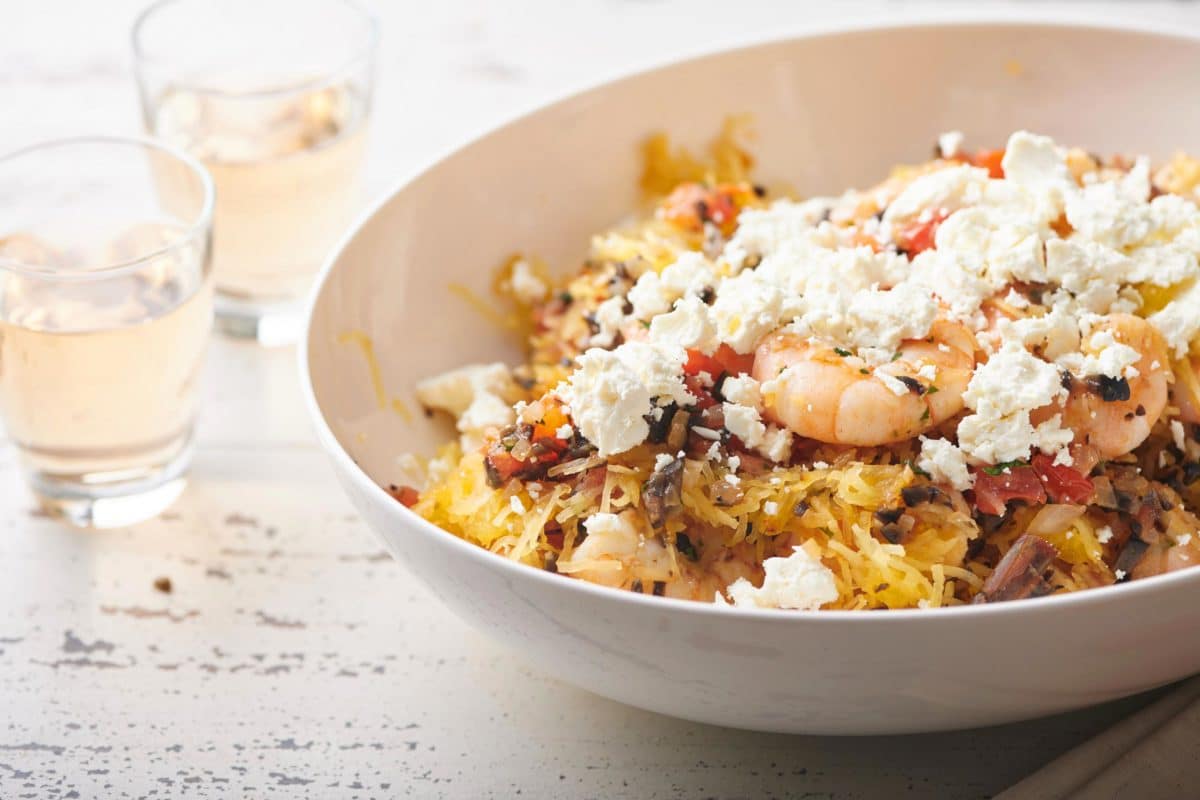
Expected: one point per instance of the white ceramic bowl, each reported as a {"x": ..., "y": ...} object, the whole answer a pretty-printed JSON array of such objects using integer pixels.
[{"x": 833, "y": 110}]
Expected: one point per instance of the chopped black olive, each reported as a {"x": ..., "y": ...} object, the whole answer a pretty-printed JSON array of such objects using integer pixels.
[
  {"x": 893, "y": 533},
  {"x": 636, "y": 586},
  {"x": 913, "y": 384},
  {"x": 889, "y": 515},
  {"x": 707, "y": 295},
  {"x": 801, "y": 508},
  {"x": 759, "y": 190},
  {"x": 659, "y": 588},
  {"x": 1191, "y": 472},
  {"x": 1067, "y": 380},
  {"x": 1135, "y": 548},
  {"x": 1111, "y": 390},
  {"x": 684, "y": 545},
  {"x": 916, "y": 495},
  {"x": 1140, "y": 410},
  {"x": 551, "y": 562},
  {"x": 717, "y": 384},
  {"x": 663, "y": 495},
  {"x": 659, "y": 428}
]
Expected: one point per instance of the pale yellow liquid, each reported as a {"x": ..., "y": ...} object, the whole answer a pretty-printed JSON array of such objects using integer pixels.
[
  {"x": 287, "y": 175},
  {"x": 98, "y": 379}
]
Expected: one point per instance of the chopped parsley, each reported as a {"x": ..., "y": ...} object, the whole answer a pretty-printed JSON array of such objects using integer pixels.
[
  {"x": 1004, "y": 466},
  {"x": 841, "y": 352}
]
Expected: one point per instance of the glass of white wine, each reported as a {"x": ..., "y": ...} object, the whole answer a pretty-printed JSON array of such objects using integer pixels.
[
  {"x": 105, "y": 314},
  {"x": 272, "y": 96}
]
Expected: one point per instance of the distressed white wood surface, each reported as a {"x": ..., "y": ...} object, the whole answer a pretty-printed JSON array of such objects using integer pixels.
[{"x": 293, "y": 658}]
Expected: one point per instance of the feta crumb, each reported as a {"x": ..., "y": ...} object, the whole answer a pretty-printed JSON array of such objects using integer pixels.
[
  {"x": 476, "y": 395},
  {"x": 1183, "y": 539},
  {"x": 1177, "y": 435},
  {"x": 745, "y": 423},
  {"x": 776, "y": 444},
  {"x": 820, "y": 465},
  {"x": 743, "y": 390},
  {"x": 1109, "y": 357},
  {"x": 609, "y": 317},
  {"x": 714, "y": 452},
  {"x": 663, "y": 460},
  {"x": 527, "y": 287},
  {"x": 1104, "y": 535},
  {"x": 770, "y": 508},
  {"x": 1002, "y": 393},
  {"x": 688, "y": 325},
  {"x": 565, "y": 431},
  {"x": 518, "y": 507},
  {"x": 611, "y": 390},
  {"x": 649, "y": 297},
  {"x": 945, "y": 463},
  {"x": 746, "y": 310},
  {"x": 799, "y": 581},
  {"x": 950, "y": 144},
  {"x": 1119, "y": 574},
  {"x": 894, "y": 384}
]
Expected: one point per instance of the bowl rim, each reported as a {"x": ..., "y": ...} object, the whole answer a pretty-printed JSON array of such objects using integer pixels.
[{"x": 890, "y": 21}]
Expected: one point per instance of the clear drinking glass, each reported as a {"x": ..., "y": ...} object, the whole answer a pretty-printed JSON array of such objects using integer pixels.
[
  {"x": 105, "y": 313},
  {"x": 272, "y": 96}
]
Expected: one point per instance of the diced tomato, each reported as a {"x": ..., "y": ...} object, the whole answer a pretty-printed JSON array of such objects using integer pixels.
[
  {"x": 918, "y": 235},
  {"x": 989, "y": 160},
  {"x": 724, "y": 359},
  {"x": 405, "y": 494},
  {"x": 697, "y": 362},
  {"x": 703, "y": 393},
  {"x": 994, "y": 492},
  {"x": 693, "y": 204},
  {"x": 1063, "y": 484}
]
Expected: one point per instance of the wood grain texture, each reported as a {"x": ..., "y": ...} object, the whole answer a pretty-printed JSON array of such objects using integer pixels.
[{"x": 292, "y": 657}]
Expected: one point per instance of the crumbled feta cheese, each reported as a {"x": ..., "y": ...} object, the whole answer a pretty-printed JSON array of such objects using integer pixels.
[
  {"x": 1109, "y": 357},
  {"x": 662, "y": 461},
  {"x": 770, "y": 508},
  {"x": 1179, "y": 322},
  {"x": 714, "y": 452},
  {"x": 477, "y": 396},
  {"x": 745, "y": 423},
  {"x": 689, "y": 326},
  {"x": 894, "y": 384},
  {"x": 945, "y": 463},
  {"x": 609, "y": 317},
  {"x": 763, "y": 232},
  {"x": 746, "y": 310},
  {"x": 870, "y": 317},
  {"x": 1177, "y": 435},
  {"x": 1002, "y": 393},
  {"x": 743, "y": 390},
  {"x": 690, "y": 274},
  {"x": 518, "y": 507},
  {"x": 565, "y": 431},
  {"x": 776, "y": 444},
  {"x": 1104, "y": 535},
  {"x": 1119, "y": 574},
  {"x": 1183, "y": 539},
  {"x": 799, "y": 581},
  {"x": 950, "y": 188},
  {"x": 1054, "y": 334},
  {"x": 611, "y": 391},
  {"x": 950, "y": 144},
  {"x": 527, "y": 287},
  {"x": 649, "y": 297}
]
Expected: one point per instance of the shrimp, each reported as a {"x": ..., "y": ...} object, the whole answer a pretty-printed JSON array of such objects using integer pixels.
[
  {"x": 828, "y": 395},
  {"x": 1115, "y": 416}
]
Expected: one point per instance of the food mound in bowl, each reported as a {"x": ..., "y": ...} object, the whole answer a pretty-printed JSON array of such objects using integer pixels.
[{"x": 976, "y": 381}]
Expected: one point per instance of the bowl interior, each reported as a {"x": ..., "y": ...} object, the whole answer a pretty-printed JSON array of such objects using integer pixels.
[{"x": 830, "y": 111}]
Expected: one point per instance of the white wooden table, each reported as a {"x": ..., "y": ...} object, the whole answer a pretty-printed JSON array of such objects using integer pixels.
[{"x": 293, "y": 658}]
